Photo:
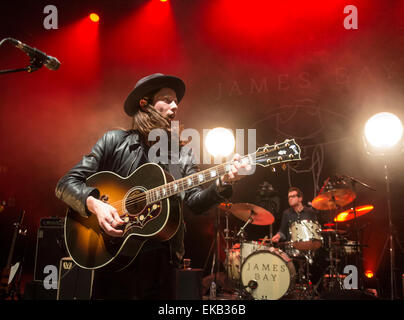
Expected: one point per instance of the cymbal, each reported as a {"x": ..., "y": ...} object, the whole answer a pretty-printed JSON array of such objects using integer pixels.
[
  {"x": 332, "y": 231},
  {"x": 242, "y": 211},
  {"x": 349, "y": 214},
  {"x": 329, "y": 224},
  {"x": 334, "y": 194},
  {"x": 333, "y": 199}
]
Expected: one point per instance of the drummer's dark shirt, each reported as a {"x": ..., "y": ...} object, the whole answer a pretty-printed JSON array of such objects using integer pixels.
[{"x": 289, "y": 216}]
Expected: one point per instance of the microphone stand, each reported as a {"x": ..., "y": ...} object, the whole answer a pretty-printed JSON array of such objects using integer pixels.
[{"x": 358, "y": 250}]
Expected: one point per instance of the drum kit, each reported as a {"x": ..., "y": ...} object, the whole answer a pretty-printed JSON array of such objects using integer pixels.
[{"x": 264, "y": 270}]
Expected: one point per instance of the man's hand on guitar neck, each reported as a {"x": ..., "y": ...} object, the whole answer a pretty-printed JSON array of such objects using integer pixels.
[
  {"x": 234, "y": 174},
  {"x": 107, "y": 215}
]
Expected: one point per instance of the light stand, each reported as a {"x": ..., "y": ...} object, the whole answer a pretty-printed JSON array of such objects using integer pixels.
[
  {"x": 384, "y": 133},
  {"x": 391, "y": 248}
]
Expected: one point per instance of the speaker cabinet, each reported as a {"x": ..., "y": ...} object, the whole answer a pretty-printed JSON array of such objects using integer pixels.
[
  {"x": 50, "y": 245},
  {"x": 188, "y": 284},
  {"x": 75, "y": 283}
]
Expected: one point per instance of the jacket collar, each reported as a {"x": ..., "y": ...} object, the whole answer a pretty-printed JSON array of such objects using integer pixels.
[{"x": 135, "y": 140}]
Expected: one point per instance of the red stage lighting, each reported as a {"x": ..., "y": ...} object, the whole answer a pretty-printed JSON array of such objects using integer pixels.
[
  {"x": 94, "y": 17},
  {"x": 369, "y": 274}
]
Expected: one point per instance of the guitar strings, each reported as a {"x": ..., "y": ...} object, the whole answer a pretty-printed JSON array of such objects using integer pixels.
[
  {"x": 133, "y": 200},
  {"x": 140, "y": 198}
]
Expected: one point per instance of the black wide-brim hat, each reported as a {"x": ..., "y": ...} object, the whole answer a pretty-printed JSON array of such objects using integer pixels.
[{"x": 151, "y": 83}]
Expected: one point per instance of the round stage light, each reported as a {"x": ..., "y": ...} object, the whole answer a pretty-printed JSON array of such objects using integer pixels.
[
  {"x": 369, "y": 274},
  {"x": 94, "y": 17},
  {"x": 383, "y": 130},
  {"x": 220, "y": 142}
]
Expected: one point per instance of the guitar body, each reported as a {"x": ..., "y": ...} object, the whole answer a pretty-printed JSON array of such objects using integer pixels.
[{"x": 91, "y": 248}]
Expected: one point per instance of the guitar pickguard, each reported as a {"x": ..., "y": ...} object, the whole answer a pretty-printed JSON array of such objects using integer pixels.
[{"x": 141, "y": 219}]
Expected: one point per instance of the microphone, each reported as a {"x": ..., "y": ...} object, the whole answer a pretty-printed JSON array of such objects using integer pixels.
[{"x": 48, "y": 61}]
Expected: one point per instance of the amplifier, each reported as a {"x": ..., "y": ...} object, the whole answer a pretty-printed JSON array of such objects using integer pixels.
[
  {"x": 188, "y": 284},
  {"x": 50, "y": 245},
  {"x": 75, "y": 283}
]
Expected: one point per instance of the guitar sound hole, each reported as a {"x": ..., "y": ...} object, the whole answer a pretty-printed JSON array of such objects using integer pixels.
[{"x": 135, "y": 202}]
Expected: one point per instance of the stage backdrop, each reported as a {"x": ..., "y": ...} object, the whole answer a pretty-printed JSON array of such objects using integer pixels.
[{"x": 287, "y": 70}]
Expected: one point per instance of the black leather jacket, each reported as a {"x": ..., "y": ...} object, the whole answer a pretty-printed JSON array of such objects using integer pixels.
[{"x": 122, "y": 152}]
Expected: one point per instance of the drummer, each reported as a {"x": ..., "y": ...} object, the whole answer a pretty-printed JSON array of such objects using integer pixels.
[{"x": 296, "y": 212}]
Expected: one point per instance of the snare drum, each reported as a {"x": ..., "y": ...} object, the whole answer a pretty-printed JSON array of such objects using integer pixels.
[
  {"x": 292, "y": 252},
  {"x": 306, "y": 235},
  {"x": 272, "y": 270}
]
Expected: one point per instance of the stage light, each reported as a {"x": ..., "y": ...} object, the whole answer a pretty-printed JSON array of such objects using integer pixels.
[
  {"x": 382, "y": 132},
  {"x": 383, "y": 137},
  {"x": 369, "y": 274},
  {"x": 220, "y": 142},
  {"x": 94, "y": 17},
  {"x": 163, "y": 0}
]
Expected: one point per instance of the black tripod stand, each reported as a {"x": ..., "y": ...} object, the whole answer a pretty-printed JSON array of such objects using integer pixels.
[{"x": 391, "y": 237}]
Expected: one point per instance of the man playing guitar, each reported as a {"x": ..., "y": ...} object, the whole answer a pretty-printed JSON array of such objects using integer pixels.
[{"x": 152, "y": 104}]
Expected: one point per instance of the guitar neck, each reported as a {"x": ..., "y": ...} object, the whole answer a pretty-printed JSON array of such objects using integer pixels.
[
  {"x": 191, "y": 181},
  {"x": 265, "y": 156}
]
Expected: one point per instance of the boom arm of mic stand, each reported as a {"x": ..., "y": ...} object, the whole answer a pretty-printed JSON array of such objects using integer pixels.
[
  {"x": 360, "y": 182},
  {"x": 34, "y": 65}
]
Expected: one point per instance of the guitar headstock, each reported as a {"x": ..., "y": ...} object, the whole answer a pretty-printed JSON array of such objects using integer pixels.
[{"x": 286, "y": 151}]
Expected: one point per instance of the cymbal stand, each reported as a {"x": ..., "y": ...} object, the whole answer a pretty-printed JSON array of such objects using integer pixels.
[
  {"x": 242, "y": 293},
  {"x": 333, "y": 254},
  {"x": 358, "y": 251},
  {"x": 334, "y": 280},
  {"x": 226, "y": 239},
  {"x": 215, "y": 246},
  {"x": 358, "y": 247},
  {"x": 305, "y": 289},
  {"x": 242, "y": 231},
  {"x": 216, "y": 256}
]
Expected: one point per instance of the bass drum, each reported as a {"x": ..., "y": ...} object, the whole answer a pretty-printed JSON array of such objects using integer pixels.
[{"x": 273, "y": 271}]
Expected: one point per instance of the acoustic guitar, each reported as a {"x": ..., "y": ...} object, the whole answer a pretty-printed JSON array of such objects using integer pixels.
[{"x": 148, "y": 202}]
